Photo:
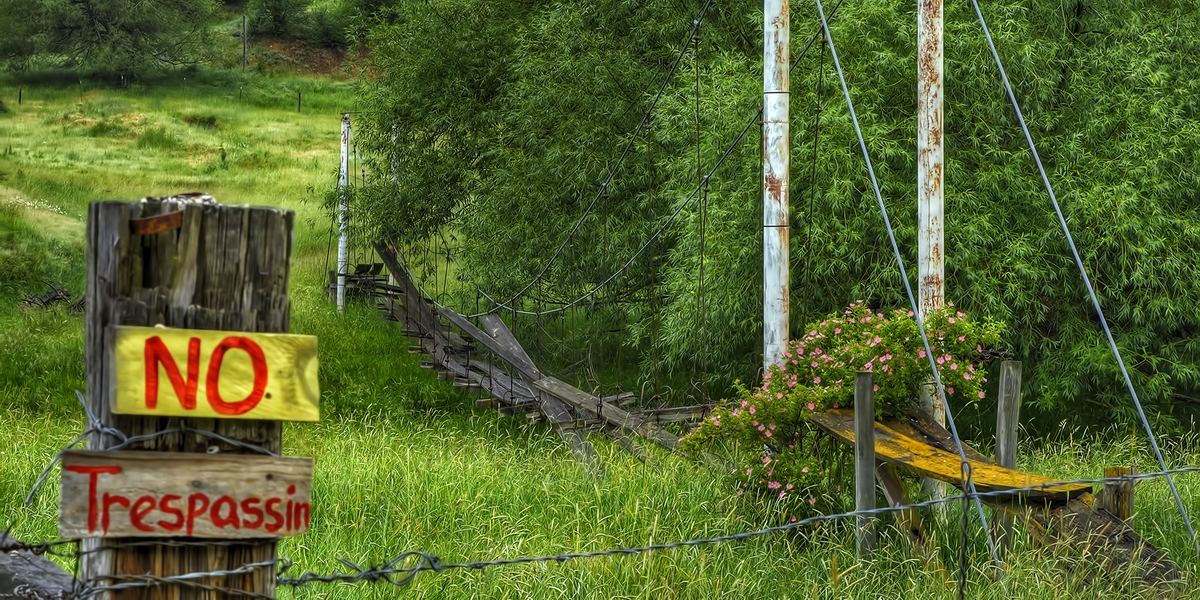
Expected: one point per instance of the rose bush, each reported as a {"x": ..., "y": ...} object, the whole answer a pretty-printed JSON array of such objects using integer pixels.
[{"x": 818, "y": 375}]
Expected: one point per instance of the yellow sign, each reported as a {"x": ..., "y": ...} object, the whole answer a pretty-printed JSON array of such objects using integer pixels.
[{"x": 216, "y": 374}]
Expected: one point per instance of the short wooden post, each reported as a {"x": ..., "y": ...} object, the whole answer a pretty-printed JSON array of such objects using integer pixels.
[
  {"x": 225, "y": 267},
  {"x": 1008, "y": 412},
  {"x": 1117, "y": 497},
  {"x": 864, "y": 461}
]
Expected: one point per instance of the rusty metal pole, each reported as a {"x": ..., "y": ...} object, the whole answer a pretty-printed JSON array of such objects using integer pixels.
[
  {"x": 776, "y": 164},
  {"x": 343, "y": 213},
  {"x": 930, "y": 189}
]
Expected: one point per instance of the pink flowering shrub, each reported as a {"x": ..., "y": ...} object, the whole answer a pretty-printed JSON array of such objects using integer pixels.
[{"x": 818, "y": 375}]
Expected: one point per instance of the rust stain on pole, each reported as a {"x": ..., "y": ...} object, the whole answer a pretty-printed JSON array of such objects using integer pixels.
[
  {"x": 776, "y": 157},
  {"x": 930, "y": 157}
]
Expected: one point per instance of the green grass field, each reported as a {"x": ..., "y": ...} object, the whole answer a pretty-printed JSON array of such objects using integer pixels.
[{"x": 403, "y": 461}]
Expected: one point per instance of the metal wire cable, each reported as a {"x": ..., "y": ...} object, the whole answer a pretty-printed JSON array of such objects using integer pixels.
[
  {"x": 612, "y": 172},
  {"x": 1087, "y": 282},
  {"x": 969, "y": 484},
  {"x": 430, "y": 562}
]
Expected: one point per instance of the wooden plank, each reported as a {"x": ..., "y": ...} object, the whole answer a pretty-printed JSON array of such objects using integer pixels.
[
  {"x": 156, "y": 224},
  {"x": 513, "y": 355},
  {"x": 215, "y": 374},
  {"x": 933, "y": 462},
  {"x": 136, "y": 494},
  {"x": 583, "y": 401},
  {"x": 864, "y": 462}
]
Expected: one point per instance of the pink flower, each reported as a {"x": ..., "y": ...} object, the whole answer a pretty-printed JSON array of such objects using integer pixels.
[
  {"x": 967, "y": 376},
  {"x": 910, "y": 313},
  {"x": 812, "y": 406},
  {"x": 761, "y": 428},
  {"x": 766, "y": 459},
  {"x": 837, "y": 330},
  {"x": 804, "y": 470},
  {"x": 782, "y": 494},
  {"x": 962, "y": 338},
  {"x": 751, "y": 409},
  {"x": 921, "y": 353},
  {"x": 835, "y": 405},
  {"x": 789, "y": 486},
  {"x": 768, "y": 434},
  {"x": 951, "y": 390},
  {"x": 792, "y": 383},
  {"x": 748, "y": 471},
  {"x": 980, "y": 394},
  {"x": 812, "y": 501},
  {"x": 778, "y": 395},
  {"x": 953, "y": 366},
  {"x": 951, "y": 319},
  {"x": 940, "y": 360},
  {"x": 876, "y": 387},
  {"x": 774, "y": 485},
  {"x": 744, "y": 403},
  {"x": 816, "y": 380},
  {"x": 814, "y": 364}
]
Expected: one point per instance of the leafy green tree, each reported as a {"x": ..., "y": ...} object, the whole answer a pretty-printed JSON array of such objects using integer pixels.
[
  {"x": 509, "y": 116},
  {"x": 113, "y": 36}
]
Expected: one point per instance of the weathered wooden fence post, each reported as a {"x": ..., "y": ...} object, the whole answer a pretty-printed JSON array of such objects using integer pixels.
[
  {"x": 198, "y": 266},
  {"x": 1117, "y": 497},
  {"x": 1008, "y": 412},
  {"x": 864, "y": 461}
]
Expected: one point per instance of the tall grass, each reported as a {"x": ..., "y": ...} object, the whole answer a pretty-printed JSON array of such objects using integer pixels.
[{"x": 403, "y": 461}]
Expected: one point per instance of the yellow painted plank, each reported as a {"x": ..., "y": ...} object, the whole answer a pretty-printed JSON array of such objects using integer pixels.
[
  {"x": 930, "y": 461},
  {"x": 215, "y": 374}
]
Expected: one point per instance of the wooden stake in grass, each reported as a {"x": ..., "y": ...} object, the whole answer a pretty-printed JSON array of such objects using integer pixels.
[
  {"x": 1008, "y": 412},
  {"x": 864, "y": 460}
]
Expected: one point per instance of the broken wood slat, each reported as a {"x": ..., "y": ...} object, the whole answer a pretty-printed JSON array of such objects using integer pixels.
[
  {"x": 625, "y": 442},
  {"x": 930, "y": 461},
  {"x": 920, "y": 426},
  {"x": 584, "y": 401},
  {"x": 677, "y": 414},
  {"x": 1108, "y": 542},
  {"x": 156, "y": 224},
  {"x": 24, "y": 574}
]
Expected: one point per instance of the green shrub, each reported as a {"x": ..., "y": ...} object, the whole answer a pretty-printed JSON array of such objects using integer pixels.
[
  {"x": 157, "y": 137},
  {"x": 818, "y": 375},
  {"x": 107, "y": 128},
  {"x": 277, "y": 17},
  {"x": 207, "y": 121}
]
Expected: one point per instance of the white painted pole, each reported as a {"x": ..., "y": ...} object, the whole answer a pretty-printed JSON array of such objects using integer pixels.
[
  {"x": 776, "y": 159},
  {"x": 343, "y": 213},
  {"x": 931, "y": 241}
]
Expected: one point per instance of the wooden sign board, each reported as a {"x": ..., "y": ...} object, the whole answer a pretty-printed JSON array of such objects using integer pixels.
[
  {"x": 158, "y": 494},
  {"x": 215, "y": 374}
]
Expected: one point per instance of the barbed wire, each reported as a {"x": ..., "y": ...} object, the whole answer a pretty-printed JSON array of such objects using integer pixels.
[
  {"x": 407, "y": 565},
  {"x": 126, "y": 441}
]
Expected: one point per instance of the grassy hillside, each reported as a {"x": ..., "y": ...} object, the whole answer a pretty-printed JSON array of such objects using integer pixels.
[{"x": 403, "y": 461}]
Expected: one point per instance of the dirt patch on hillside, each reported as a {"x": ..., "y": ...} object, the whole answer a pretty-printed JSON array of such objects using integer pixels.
[{"x": 277, "y": 53}]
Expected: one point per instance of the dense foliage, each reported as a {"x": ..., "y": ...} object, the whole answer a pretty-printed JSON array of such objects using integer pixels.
[
  {"x": 509, "y": 115},
  {"x": 772, "y": 422},
  {"x": 110, "y": 36}
]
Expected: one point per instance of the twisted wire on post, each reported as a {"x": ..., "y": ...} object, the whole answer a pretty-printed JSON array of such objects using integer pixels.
[
  {"x": 1087, "y": 282},
  {"x": 968, "y": 483}
]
